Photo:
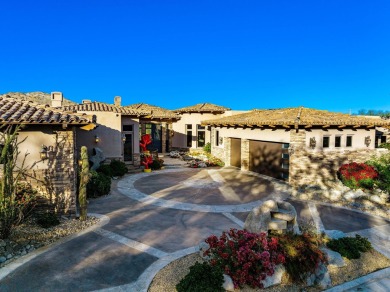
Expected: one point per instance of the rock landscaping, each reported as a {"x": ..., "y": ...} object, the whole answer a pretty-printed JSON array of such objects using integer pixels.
[{"x": 29, "y": 236}]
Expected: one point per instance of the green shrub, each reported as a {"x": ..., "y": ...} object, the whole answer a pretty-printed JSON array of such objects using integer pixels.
[
  {"x": 98, "y": 185},
  {"x": 367, "y": 183},
  {"x": 105, "y": 169},
  {"x": 385, "y": 145},
  {"x": 350, "y": 247},
  {"x": 201, "y": 278},
  {"x": 157, "y": 164},
  {"x": 118, "y": 168},
  {"x": 302, "y": 253},
  {"x": 207, "y": 148},
  {"x": 382, "y": 166},
  {"x": 47, "y": 219}
]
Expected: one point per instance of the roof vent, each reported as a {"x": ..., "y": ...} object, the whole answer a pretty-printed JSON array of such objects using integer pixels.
[
  {"x": 56, "y": 99},
  {"x": 84, "y": 101}
]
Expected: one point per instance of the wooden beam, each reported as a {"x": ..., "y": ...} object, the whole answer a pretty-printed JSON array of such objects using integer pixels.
[
  {"x": 342, "y": 126},
  {"x": 308, "y": 126},
  {"x": 326, "y": 126}
]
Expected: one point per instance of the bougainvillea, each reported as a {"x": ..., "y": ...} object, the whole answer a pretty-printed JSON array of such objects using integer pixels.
[
  {"x": 356, "y": 174},
  {"x": 248, "y": 258}
]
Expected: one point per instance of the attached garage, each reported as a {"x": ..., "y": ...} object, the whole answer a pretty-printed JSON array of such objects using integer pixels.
[{"x": 269, "y": 158}]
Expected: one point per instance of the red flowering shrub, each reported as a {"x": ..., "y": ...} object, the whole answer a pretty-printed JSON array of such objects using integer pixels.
[
  {"x": 355, "y": 175},
  {"x": 246, "y": 257}
]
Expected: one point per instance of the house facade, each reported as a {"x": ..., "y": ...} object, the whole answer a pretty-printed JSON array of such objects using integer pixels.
[
  {"x": 300, "y": 145},
  {"x": 48, "y": 148}
]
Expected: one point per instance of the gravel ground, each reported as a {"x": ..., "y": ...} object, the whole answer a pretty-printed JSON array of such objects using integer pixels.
[
  {"x": 29, "y": 236},
  {"x": 169, "y": 276}
]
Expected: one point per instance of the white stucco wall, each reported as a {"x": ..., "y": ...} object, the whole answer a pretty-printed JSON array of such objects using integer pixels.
[
  {"x": 358, "y": 138},
  {"x": 179, "y": 127}
]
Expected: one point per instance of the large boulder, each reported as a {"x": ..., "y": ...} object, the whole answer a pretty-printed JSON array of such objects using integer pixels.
[
  {"x": 272, "y": 215},
  {"x": 334, "y": 258},
  {"x": 276, "y": 278}
]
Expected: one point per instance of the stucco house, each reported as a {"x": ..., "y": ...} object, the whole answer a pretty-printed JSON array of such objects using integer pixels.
[
  {"x": 51, "y": 163},
  {"x": 189, "y": 131},
  {"x": 300, "y": 145}
]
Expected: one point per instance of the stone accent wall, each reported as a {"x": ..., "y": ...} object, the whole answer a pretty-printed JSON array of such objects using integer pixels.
[
  {"x": 216, "y": 151},
  {"x": 57, "y": 185},
  {"x": 308, "y": 167},
  {"x": 226, "y": 150},
  {"x": 136, "y": 159},
  {"x": 245, "y": 157}
]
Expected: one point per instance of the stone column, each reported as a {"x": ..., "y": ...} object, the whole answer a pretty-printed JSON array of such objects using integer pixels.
[
  {"x": 227, "y": 149},
  {"x": 164, "y": 137},
  {"x": 245, "y": 154},
  {"x": 170, "y": 136},
  {"x": 296, "y": 150}
]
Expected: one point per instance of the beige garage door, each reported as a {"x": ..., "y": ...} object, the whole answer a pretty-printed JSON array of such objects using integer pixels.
[
  {"x": 269, "y": 158},
  {"x": 235, "y": 152}
]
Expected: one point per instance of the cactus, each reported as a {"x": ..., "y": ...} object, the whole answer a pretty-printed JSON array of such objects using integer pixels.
[{"x": 84, "y": 178}]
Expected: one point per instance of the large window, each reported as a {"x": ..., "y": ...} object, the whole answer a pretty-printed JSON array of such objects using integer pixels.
[
  {"x": 325, "y": 142},
  {"x": 189, "y": 135},
  {"x": 201, "y": 138},
  {"x": 349, "y": 141}
]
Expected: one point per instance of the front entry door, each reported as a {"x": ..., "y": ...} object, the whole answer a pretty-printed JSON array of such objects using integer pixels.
[{"x": 128, "y": 148}]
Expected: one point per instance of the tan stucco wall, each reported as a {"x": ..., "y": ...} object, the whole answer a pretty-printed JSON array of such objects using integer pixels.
[{"x": 180, "y": 139}]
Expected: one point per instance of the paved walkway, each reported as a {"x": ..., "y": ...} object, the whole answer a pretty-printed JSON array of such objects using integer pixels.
[{"x": 153, "y": 219}]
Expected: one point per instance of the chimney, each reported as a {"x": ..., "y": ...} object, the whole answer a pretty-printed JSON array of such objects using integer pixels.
[
  {"x": 85, "y": 101},
  {"x": 117, "y": 101},
  {"x": 56, "y": 99}
]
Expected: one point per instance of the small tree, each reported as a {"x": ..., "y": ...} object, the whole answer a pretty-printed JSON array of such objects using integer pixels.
[
  {"x": 13, "y": 205},
  {"x": 84, "y": 178}
]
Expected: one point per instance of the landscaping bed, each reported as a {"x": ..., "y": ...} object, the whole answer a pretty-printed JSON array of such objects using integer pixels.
[
  {"x": 29, "y": 236},
  {"x": 168, "y": 277}
]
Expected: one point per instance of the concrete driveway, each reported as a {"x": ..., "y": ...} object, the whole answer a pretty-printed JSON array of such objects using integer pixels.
[{"x": 153, "y": 219}]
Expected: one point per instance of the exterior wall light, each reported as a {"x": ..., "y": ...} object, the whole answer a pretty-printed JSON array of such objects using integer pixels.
[
  {"x": 367, "y": 141},
  {"x": 44, "y": 153},
  {"x": 312, "y": 142},
  {"x": 123, "y": 138},
  {"x": 97, "y": 139}
]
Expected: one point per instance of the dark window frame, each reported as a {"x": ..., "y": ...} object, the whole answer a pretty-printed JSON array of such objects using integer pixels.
[
  {"x": 325, "y": 141},
  {"x": 349, "y": 141},
  {"x": 337, "y": 144}
]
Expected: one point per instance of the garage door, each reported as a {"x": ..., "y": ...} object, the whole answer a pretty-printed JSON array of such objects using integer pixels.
[
  {"x": 269, "y": 158},
  {"x": 235, "y": 152}
]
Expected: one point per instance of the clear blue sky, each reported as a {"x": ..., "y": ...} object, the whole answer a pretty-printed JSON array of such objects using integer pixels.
[{"x": 332, "y": 54}]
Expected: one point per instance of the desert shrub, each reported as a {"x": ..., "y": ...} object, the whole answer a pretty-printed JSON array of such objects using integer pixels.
[
  {"x": 367, "y": 183},
  {"x": 246, "y": 257},
  {"x": 98, "y": 185},
  {"x": 356, "y": 175},
  {"x": 207, "y": 147},
  {"x": 47, "y": 219},
  {"x": 105, "y": 169},
  {"x": 214, "y": 161},
  {"x": 118, "y": 168},
  {"x": 157, "y": 164},
  {"x": 201, "y": 278},
  {"x": 302, "y": 254},
  {"x": 350, "y": 247},
  {"x": 382, "y": 165}
]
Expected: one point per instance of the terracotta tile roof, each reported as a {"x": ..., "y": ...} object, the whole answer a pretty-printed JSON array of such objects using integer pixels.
[
  {"x": 104, "y": 107},
  {"x": 203, "y": 108},
  {"x": 295, "y": 117},
  {"x": 13, "y": 111},
  {"x": 155, "y": 112}
]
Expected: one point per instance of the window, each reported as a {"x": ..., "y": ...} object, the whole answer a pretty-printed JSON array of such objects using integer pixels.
[
  {"x": 127, "y": 128},
  {"x": 285, "y": 156},
  {"x": 337, "y": 141},
  {"x": 216, "y": 138},
  {"x": 325, "y": 142},
  {"x": 349, "y": 141},
  {"x": 201, "y": 136},
  {"x": 189, "y": 135},
  {"x": 285, "y": 145},
  {"x": 285, "y": 165}
]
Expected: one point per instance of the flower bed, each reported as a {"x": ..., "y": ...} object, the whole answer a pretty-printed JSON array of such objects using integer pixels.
[{"x": 358, "y": 175}]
